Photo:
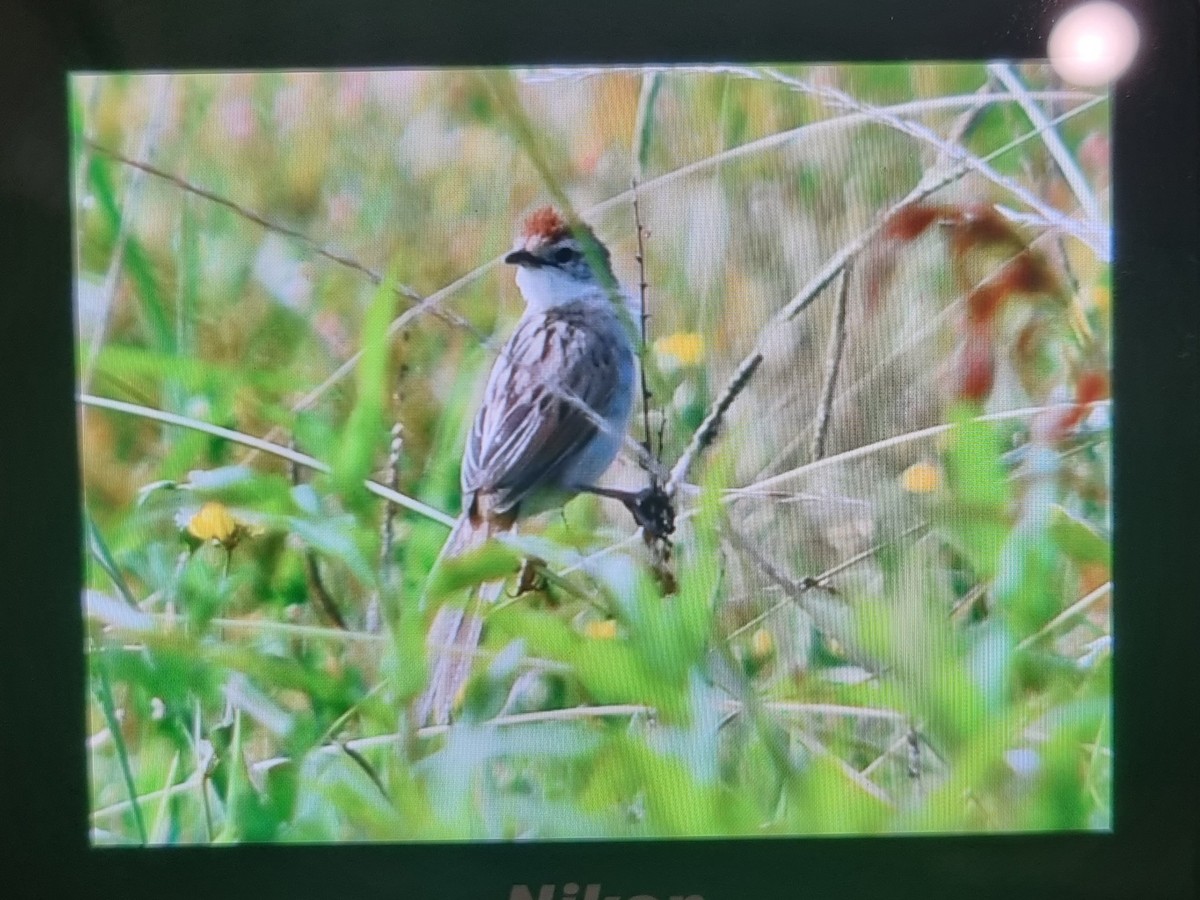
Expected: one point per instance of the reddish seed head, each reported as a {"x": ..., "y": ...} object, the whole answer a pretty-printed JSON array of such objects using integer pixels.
[
  {"x": 1091, "y": 387},
  {"x": 1028, "y": 273},
  {"x": 984, "y": 302},
  {"x": 546, "y": 225},
  {"x": 980, "y": 225},
  {"x": 910, "y": 222},
  {"x": 976, "y": 365}
]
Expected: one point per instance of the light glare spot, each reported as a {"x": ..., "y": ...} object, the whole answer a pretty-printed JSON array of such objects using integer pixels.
[
  {"x": 1089, "y": 47},
  {"x": 1093, "y": 43}
]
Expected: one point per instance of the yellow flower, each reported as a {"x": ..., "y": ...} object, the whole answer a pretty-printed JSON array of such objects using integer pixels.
[
  {"x": 762, "y": 644},
  {"x": 214, "y": 522},
  {"x": 604, "y": 631},
  {"x": 684, "y": 348},
  {"x": 921, "y": 478}
]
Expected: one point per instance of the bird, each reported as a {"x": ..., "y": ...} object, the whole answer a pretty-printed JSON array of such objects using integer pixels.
[{"x": 553, "y": 417}]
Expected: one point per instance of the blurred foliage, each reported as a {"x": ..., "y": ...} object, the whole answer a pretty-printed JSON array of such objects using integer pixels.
[{"x": 910, "y": 634}]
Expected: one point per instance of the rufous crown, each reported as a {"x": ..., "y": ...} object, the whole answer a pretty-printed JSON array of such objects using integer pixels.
[{"x": 545, "y": 224}]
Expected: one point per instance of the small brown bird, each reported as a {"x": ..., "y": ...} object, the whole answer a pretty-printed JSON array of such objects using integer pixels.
[{"x": 553, "y": 417}]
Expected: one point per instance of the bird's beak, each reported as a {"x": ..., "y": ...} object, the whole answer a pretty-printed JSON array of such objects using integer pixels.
[{"x": 522, "y": 258}]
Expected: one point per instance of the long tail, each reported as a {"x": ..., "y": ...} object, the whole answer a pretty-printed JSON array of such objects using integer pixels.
[{"x": 456, "y": 630}]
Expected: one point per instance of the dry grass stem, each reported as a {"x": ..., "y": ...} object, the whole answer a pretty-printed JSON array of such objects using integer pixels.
[
  {"x": 264, "y": 446},
  {"x": 833, "y": 362},
  {"x": 707, "y": 432}
]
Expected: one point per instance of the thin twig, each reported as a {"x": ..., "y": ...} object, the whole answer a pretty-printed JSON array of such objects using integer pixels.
[
  {"x": 250, "y": 215},
  {"x": 852, "y": 774},
  {"x": 361, "y": 762},
  {"x": 1080, "y": 605},
  {"x": 123, "y": 806},
  {"x": 963, "y": 124},
  {"x": 146, "y": 623},
  {"x": 643, "y": 456},
  {"x": 798, "y": 497},
  {"x": 886, "y": 754},
  {"x": 795, "y": 588},
  {"x": 335, "y": 727},
  {"x": 927, "y": 186},
  {"x": 291, "y": 629},
  {"x": 641, "y": 140},
  {"x": 1007, "y": 76},
  {"x": 325, "y": 601},
  {"x": 733, "y": 494},
  {"x": 569, "y": 714},
  {"x": 967, "y": 601},
  {"x": 897, "y": 440},
  {"x": 312, "y": 568},
  {"x": 832, "y": 709},
  {"x": 833, "y": 362},
  {"x": 243, "y": 211},
  {"x": 1093, "y": 233},
  {"x": 387, "y": 740},
  {"x": 643, "y": 315},
  {"x": 812, "y": 129},
  {"x": 707, "y": 432},
  {"x": 238, "y": 437},
  {"x": 423, "y": 304}
]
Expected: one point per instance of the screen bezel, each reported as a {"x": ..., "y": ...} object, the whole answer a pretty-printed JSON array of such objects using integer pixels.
[{"x": 43, "y": 763}]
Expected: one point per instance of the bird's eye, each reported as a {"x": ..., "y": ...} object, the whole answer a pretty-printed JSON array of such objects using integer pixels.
[{"x": 564, "y": 255}]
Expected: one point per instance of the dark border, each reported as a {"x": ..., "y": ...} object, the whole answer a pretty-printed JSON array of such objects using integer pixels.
[{"x": 43, "y": 808}]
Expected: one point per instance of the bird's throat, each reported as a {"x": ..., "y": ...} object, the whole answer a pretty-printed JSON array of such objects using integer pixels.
[{"x": 547, "y": 288}]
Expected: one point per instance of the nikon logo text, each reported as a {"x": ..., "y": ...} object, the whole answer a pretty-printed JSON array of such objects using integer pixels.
[{"x": 573, "y": 891}]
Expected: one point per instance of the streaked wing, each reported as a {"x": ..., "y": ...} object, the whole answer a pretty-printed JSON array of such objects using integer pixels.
[{"x": 527, "y": 432}]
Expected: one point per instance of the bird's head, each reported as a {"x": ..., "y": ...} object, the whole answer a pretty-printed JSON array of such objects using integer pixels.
[{"x": 559, "y": 262}]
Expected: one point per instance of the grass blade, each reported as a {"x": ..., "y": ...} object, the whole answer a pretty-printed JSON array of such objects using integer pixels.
[{"x": 103, "y": 686}]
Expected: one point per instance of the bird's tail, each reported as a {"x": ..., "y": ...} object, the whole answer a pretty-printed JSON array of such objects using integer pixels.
[{"x": 456, "y": 630}]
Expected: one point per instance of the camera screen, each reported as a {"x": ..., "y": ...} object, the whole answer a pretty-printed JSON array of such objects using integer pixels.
[{"x": 594, "y": 453}]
